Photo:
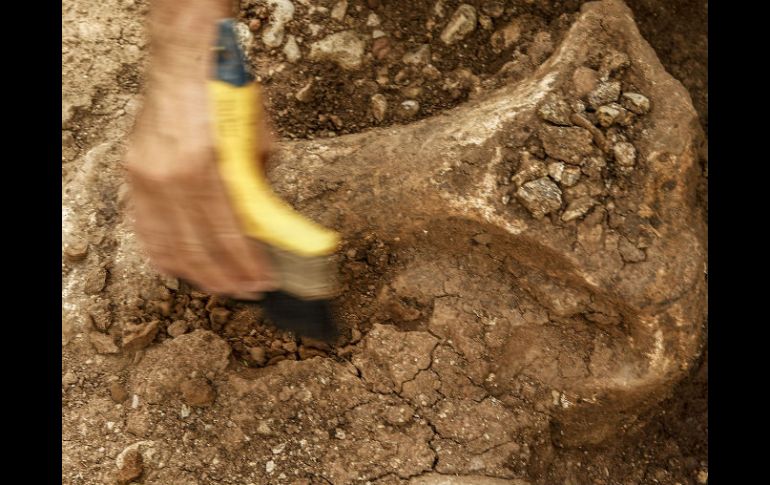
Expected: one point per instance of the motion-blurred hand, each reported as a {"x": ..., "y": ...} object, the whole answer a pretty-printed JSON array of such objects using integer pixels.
[{"x": 183, "y": 216}]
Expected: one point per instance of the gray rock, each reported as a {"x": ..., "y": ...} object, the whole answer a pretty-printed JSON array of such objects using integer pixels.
[
  {"x": 556, "y": 111},
  {"x": 609, "y": 114},
  {"x": 69, "y": 378},
  {"x": 282, "y": 11},
  {"x": 556, "y": 170},
  {"x": 577, "y": 208},
  {"x": 604, "y": 93},
  {"x": 76, "y": 249},
  {"x": 95, "y": 282},
  {"x": 462, "y": 23},
  {"x": 291, "y": 49},
  {"x": 568, "y": 144},
  {"x": 339, "y": 10},
  {"x": 379, "y": 107},
  {"x": 419, "y": 56},
  {"x": 410, "y": 107},
  {"x": 244, "y": 35},
  {"x": 530, "y": 169},
  {"x": 636, "y": 103},
  {"x": 570, "y": 176},
  {"x": 345, "y": 48},
  {"x": 373, "y": 20},
  {"x": 625, "y": 154},
  {"x": 540, "y": 197},
  {"x": 593, "y": 166}
]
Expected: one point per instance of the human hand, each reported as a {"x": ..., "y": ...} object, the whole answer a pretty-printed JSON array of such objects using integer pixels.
[{"x": 183, "y": 216}]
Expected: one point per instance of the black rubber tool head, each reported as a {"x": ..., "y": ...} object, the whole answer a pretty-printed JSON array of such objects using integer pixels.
[{"x": 306, "y": 318}]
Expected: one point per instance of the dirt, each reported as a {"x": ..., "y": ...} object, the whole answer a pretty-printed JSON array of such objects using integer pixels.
[
  {"x": 164, "y": 384},
  {"x": 681, "y": 45},
  {"x": 339, "y": 102}
]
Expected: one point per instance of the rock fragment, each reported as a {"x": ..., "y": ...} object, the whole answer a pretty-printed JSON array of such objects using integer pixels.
[
  {"x": 625, "y": 154},
  {"x": 345, "y": 48},
  {"x": 568, "y": 144},
  {"x": 540, "y": 197},
  {"x": 556, "y": 111},
  {"x": 76, "y": 249},
  {"x": 409, "y": 108},
  {"x": 636, "y": 103},
  {"x": 131, "y": 469},
  {"x": 305, "y": 94},
  {"x": 282, "y": 11},
  {"x": 137, "y": 336},
  {"x": 462, "y": 23},
  {"x": 604, "y": 93},
  {"x": 291, "y": 49},
  {"x": 379, "y": 107},
  {"x": 578, "y": 208}
]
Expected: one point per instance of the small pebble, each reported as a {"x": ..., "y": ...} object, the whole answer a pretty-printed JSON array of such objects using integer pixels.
[
  {"x": 410, "y": 107},
  {"x": 625, "y": 154}
]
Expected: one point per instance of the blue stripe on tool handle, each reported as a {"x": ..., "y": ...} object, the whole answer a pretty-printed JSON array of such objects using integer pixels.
[{"x": 230, "y": 58}]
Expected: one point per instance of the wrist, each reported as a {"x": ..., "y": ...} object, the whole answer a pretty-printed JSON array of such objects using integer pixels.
[{"x": 182, "y": 35}]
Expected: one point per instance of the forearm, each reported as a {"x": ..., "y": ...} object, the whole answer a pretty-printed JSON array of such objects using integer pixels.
[{"x": 182, "y": 34}]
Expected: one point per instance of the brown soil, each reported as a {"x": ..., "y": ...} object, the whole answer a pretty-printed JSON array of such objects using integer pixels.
[
  {"x": 679, "y": 33},
  {"x": 408, "y": 26},
  {"x": 248, "y": 410}
]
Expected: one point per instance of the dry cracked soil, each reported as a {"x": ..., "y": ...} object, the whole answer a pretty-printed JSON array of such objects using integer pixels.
[{"x": 458, "y": 359}]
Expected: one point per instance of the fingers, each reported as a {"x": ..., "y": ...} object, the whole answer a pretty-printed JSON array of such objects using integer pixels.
[
  {"x": 245, "y": 266},
  {"x": 196, "y": 244},
  {"x": 189, "y": 230},
  {"x": 183, "y": 213}
]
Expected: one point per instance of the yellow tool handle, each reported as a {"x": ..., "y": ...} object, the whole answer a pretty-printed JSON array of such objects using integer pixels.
[{"x": 237, "y": 111}]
